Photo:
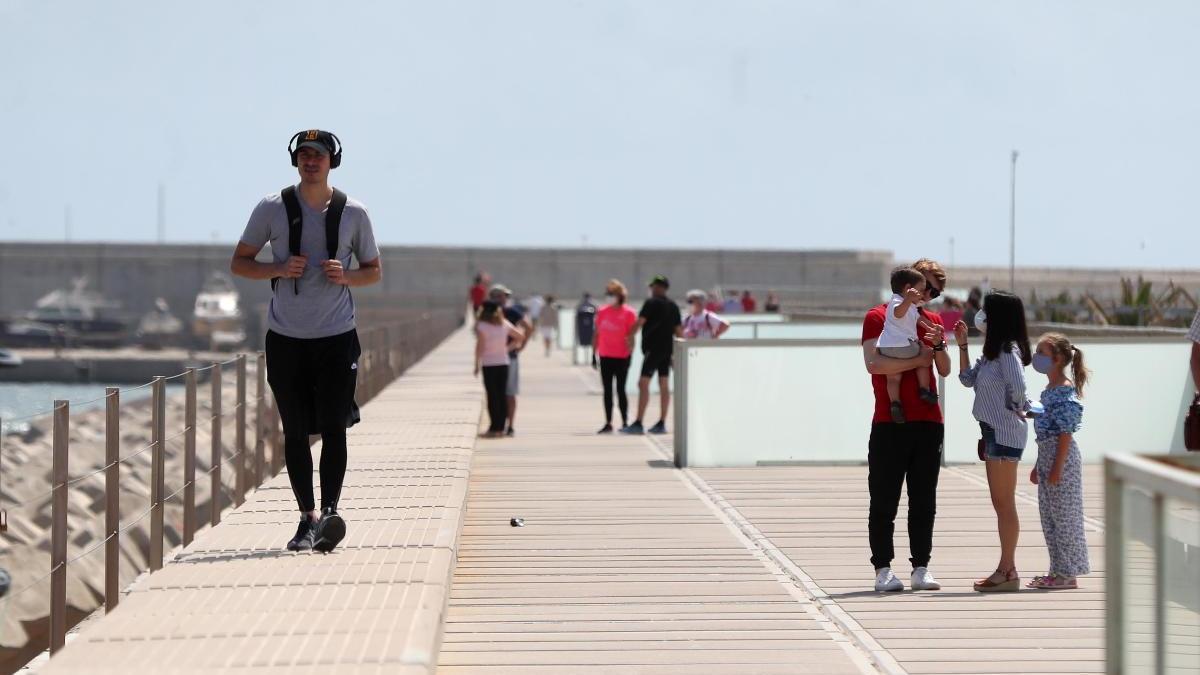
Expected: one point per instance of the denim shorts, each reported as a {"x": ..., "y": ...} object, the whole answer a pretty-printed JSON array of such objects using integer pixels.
[{"x": 995, "y": 451}]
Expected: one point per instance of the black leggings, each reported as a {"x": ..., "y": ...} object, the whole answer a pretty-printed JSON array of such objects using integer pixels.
[
  {"x": 300, "y": 467},
  {"x": 614, "y": 369},
  {"x": 495, "y": 381}
]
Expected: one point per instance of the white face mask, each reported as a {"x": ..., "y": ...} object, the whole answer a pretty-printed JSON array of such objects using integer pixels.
[{"x": 981, "y": 321}]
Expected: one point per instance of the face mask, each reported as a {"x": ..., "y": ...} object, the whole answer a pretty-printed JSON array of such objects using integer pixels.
[
  {"x": 610, "y": 298},
  {"x": 1043, "y": 364},
  {"x": 981, "y": 321}
]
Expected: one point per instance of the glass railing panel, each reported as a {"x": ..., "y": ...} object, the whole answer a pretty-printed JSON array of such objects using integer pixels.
[
  {"x": 1181, "y": 586},
  {"x": 1137, "y": 580}
]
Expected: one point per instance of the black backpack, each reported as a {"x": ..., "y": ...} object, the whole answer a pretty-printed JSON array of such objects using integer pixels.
[{"x": 333, "y": 220}]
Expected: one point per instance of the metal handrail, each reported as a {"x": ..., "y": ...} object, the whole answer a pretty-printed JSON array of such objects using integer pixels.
[{"x": 388, "y": 350}]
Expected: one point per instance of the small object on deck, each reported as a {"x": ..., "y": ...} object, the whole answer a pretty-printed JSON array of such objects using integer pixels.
[{"x": 517, "y": 522}]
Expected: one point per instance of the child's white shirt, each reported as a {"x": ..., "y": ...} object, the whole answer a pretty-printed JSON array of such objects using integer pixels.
[{"x": 899, "y": 332}]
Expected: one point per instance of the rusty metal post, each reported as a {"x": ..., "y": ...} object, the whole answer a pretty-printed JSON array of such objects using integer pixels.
[
  {"x": 158, "y": 424},
  {"x": 260, "y": 445},
  {"x": 58, "y": 526},
  {"x": 112, "y": 498},
  {"x": 189, "y": 457},
  {"x": 239, "y": 467},
  {"x": 215, "y": 405}
]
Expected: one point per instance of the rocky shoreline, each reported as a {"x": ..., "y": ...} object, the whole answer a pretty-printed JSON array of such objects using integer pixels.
[{"x": 26, "y": 467}]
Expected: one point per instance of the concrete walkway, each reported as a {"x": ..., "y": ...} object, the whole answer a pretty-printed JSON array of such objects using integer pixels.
[{"x": 236, "y": 601}]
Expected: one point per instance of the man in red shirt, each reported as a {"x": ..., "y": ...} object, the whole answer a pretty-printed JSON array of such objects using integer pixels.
[
  {"x": 479, "y": 290},
  {"x": 749, "y": 304},
  {"x": 909, "y": 452}
]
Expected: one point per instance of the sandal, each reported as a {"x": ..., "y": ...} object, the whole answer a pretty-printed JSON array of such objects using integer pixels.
[
  {"x": 1054, "y": 582},
  {"x": 1010, "y": 582}
]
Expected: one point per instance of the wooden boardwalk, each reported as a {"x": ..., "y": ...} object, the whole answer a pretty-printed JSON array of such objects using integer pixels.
[
  {"x": 623, "y": 568},
  {"x": 620, "y": 568},
  {"x": 624, "y": 565}
]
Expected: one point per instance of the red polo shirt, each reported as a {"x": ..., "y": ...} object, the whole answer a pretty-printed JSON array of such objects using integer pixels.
[{"x": 915, "y": 410}]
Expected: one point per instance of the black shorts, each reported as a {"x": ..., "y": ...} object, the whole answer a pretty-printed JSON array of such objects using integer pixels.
[
  {"x": 314, "y": 381},
  {"x": 656, "y": 361}
]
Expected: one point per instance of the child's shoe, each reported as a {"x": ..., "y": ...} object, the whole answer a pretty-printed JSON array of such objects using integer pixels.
[
  {"x": 898, "y": 413},
  {"x": 927, "y": 395}
]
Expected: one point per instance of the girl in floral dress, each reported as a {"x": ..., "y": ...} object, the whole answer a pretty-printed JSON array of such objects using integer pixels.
[{"x": 1059, "y": 470}]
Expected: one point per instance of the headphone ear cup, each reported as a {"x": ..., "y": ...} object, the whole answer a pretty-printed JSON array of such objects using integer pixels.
[
  {"x": 295, "y": 160},
  {"x": 335, "y": 160}
]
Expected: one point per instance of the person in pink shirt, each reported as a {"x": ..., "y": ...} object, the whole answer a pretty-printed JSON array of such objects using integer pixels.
[{"x": 613, "y": 323}]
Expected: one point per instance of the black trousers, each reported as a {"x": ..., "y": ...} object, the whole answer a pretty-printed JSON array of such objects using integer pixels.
[
  {"x": 898, "y": 454},
  {"x": 495, "y": 382},
  {"x": 615, "y": 370},
  {"x": 313, "y": 382}
]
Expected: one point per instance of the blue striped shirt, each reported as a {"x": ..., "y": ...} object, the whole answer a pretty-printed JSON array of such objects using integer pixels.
[{"x": 1000, "y": 399}]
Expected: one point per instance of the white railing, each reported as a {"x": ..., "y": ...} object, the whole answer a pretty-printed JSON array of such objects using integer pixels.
[{"x": 1152, "y": 564}]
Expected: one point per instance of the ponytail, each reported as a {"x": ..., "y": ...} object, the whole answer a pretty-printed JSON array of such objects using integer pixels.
[{"x": 1079, "y": 372}]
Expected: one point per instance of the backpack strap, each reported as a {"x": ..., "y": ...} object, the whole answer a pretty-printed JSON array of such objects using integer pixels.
[
  {"x": 291, "y": 203},
  {"x": 333, "y": 220}
]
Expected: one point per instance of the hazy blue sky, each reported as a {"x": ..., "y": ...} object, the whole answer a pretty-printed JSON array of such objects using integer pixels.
[{"x": 742, "y": 123}]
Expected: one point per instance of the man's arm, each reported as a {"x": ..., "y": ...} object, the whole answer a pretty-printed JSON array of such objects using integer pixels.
[
  {"x": 245, "y": 265},
  {"x": 882, "y": 365},
  {"x": 526, "y": 329},
  {"x": 368, "y": 272}
]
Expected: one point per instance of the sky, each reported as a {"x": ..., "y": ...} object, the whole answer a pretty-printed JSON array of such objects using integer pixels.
[{"x": 789, "y": 124}]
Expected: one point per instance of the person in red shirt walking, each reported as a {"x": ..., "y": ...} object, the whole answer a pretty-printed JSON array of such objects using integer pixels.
[
  {"x": 479, "y": 290},
  {"x": 905, "y": 453}
]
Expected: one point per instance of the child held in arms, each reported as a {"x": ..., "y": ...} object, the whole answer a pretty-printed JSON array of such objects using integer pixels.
[{"x": 899, "y": 337}]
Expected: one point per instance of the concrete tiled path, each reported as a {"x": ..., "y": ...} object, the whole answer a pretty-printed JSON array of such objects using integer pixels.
[{"x": 234, "y": 600}]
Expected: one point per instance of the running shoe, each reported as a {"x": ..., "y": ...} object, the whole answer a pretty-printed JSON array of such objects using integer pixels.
[
  {"x": 635, "y": 429},
  {"x": 305, "y": 535},
  {"x": 660, "y": 428},
  {"x": 606, "y": 429},
  {"x": 330, "y": 530}
]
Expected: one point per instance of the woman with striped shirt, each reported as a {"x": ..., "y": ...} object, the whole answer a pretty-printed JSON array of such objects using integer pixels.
[{"x": 1001, "y": 407}]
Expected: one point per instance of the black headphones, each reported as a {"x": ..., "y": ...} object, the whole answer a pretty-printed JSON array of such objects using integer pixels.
[{"x": 335, "y": 159}]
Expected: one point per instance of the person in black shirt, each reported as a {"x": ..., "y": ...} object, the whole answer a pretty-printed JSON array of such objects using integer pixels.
[
  {"x": 585, "y": 327},
  {"x": 660, "y": 323}
]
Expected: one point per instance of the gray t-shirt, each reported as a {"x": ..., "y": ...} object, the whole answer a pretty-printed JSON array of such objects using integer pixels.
[{"x": 321, "y": 309}]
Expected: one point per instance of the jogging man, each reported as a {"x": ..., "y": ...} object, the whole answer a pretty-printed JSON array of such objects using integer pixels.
[
  {"x": 501, "y": 295},
  {"x": 312, "y": 345},
  {"x": 660, "y": 323}
]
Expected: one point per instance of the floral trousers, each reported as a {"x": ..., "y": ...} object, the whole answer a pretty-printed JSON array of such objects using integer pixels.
[{"x": 1061, "y": 508}]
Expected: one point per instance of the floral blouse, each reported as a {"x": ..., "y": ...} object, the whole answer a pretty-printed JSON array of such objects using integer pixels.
[{"x": 1063, "y": 414}]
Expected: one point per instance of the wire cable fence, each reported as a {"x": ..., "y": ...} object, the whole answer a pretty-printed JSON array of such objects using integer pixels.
[{"x": 234, "y": 434}]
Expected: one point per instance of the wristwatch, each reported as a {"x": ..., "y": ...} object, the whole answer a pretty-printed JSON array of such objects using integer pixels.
[{"x": 940, "y": 347}]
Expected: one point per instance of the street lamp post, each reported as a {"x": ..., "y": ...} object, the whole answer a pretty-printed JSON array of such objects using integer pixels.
[{"x": 1012, "y": 226}]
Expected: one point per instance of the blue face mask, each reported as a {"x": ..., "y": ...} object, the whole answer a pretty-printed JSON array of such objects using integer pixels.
[
  {"x": 981, "y": 321},
  {"x": 1043, "y": 364}
]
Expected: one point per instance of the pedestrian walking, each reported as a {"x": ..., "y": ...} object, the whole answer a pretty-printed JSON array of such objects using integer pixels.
[
  {"x": 585, "y": 327},
  {"x": 660, "y": 323},
  {"x": 548, "y": 323},
  {"x": 312, "y": 343},
  {"x": 613, "y": 324},
  {"x": 493, "y": 334}
]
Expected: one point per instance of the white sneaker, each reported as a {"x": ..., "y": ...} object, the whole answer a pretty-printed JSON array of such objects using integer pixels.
[
  {"x": 922, "y": 580},
  {"x": 888, "y": 582}
]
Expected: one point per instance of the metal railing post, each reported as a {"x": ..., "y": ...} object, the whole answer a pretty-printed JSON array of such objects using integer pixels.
[
  {"x": 239, "y": 450},
  {"x": 215, "y": 405},
  {"x": 189, "y": 457},
  {"x": 158, "y": 425},
  {"x": 112, "y": 498},
  {"x": 1114, "y": 559},
  {"x": 58, "y": 526},
  {"x": 260, "y": 386}
]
